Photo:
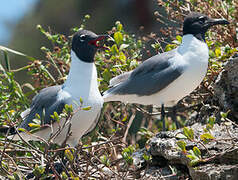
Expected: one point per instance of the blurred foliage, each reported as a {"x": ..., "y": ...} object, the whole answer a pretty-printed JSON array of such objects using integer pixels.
[
  {"x": 106, "y": 149},
  {"x": 68, "y": 14}
]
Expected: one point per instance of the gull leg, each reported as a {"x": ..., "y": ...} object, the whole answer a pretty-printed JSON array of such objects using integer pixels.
[
  {"x": 174, "y": 117},
  {"x": 162, "y": 116}
]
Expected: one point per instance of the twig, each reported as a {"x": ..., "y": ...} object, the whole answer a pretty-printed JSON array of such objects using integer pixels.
[
  {"x": 3, "y": 152},
  {"x": 232, "y": 122},
  {"x": 99, "y": 144},
  {"x": 56, "y": 67},
  {"x": 209, "y": 159},
  {"x": 28, "y": 144},
  {"x": 14, "y": 163},
  {"x": 128, "y": 126},
  {"x": 146, "y": 112}
]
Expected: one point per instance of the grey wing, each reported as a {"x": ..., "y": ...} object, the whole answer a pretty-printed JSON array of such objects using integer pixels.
[
  {"x": 45, "y": 104},
  {"x": 150, "y": 77}
]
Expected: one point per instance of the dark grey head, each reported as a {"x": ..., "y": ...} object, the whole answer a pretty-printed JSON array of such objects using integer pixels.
[
  {"x": 85, "y": 44},
  {"x": 197, "y": 24}
]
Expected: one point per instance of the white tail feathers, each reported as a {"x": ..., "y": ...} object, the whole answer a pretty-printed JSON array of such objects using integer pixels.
[
  {"x": 118, "y": 79},
  {"x": 108, "y": 95},
  {"x": 25, "y": 113}
]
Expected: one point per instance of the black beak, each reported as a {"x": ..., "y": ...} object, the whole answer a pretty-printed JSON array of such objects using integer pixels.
[
  {"x": 97, "y": 39},
  {"x": 213, "y": 22}
]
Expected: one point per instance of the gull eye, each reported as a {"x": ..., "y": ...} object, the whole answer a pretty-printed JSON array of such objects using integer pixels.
[
  {"x": 82, "y": 38},
  {"x": 202, "y": 19}
]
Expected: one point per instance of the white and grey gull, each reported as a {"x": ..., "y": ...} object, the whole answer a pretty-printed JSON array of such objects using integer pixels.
[
  {"x": 166, "y": 78},
  {"x": 81, "y": 83}
]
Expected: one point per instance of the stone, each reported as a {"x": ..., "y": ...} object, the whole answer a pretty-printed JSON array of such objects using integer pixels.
[
  {"x": 226, "y": 87},
  {"x": 220, "y": 156}
]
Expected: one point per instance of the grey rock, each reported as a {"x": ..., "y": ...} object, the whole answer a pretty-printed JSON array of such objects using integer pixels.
[
  {"x": 215, "y": 172},
  {"x": 138, "y": 160},
  {"x": 220, "y": 156},
  {"x": 226, "y": 87}
]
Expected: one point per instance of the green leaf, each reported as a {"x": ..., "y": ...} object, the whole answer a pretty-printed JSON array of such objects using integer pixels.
[
  {"x": 156, "y": 46},
  {"x": 119, "y": 26},
  {"x": 145, "y": 133},
  {"x": 197, "y": 152},
  {"x": 118, "y": 37},
  {"x": 124, "y": 119},
  {"x": 170, "y": 47},
  {"x": 10, "y": 177},
  {"x": 33, "y": 125},
  {"x": 69, "y": 155},
  {"x": 56, "y": 116},
  {"x": 114, "y": 49},
  {"x": 146, "y": 157},
  {"x": 21, "y": 130},
  {"x": 122, "y": 57},
  {"x": 139, "y": 43},
  {"x": 218, "y": 52},
  {"x": 206, "y": 136},
  {"x": 39, "y": 27},
  {"x": 212, "y": 54},
  {"x": 81, "y": 100},
  {"x": 6, "y": 58},
  {"x": 179, "y": 38},
  {"x": 211, "y": 120},
  {"x": 43, "y": 68},
  {"x": 133, "y": 63},
  {"x": 192, "y": 157},
  {"x": 105, "y": 160},
  {"x": 64, "y": 176},
  {"x": 106, "y": 75},
  {"x": 194, "y": 162},
  {"x": 224, "y": 115},
  {"x": 127, "y": 154},
  {"x": 189, "y": 133},
  {"x": 68, "y": 108},
  {"x": 39, "y": 170},
  {"x": 87, "y": 108},
  {"x": 182, "y": 145},
  {"x": 16, "y": 52}
]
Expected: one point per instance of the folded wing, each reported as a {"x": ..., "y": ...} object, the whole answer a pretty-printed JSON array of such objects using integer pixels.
[
  {"x": 44, "y": 104},
  {"x": 150, "y": 77}
]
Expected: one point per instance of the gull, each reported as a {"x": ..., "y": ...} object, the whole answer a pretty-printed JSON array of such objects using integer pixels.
[{"x": 166, "y": 78}]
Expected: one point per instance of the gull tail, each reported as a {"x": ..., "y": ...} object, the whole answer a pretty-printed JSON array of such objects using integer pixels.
[
  {"x": 25, "y": 136},
  {"x": 110, "y": 94},
  {"x": 119, "y": 79}
]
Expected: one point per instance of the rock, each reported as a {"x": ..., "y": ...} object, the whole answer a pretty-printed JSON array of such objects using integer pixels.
[
  {"x": 215, "y": 172},
  {"x": 138, "y": 160},
  {"x": 219, "y": 156},
  {"x": 226, "y": 87}
]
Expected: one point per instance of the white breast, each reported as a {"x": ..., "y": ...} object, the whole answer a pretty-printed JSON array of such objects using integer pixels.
[
  {"x": 81, "y": 83},
  {"x": 194, "y": 53}
]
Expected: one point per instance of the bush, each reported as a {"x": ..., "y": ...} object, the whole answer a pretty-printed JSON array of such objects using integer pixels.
[{"x": 105, "y": 152}]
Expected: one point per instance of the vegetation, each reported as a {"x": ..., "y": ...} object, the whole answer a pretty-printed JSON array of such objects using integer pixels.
[{"x": 123, "y": 129}]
